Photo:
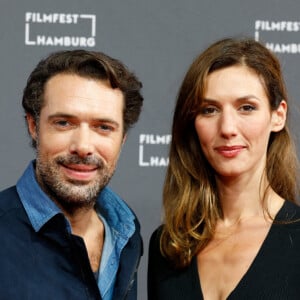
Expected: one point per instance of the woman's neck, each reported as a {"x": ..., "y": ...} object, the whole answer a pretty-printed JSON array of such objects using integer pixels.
[{"x": 247, "y": 197}]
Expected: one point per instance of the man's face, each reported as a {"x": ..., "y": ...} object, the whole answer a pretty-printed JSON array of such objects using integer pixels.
[{"x": 79, "y": 137}]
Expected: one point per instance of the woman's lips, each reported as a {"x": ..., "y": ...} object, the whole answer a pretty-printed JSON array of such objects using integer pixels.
[{"x": 229, "y": 151}]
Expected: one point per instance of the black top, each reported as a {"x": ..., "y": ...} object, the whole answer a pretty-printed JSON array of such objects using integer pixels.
[{"x": 274, "y": 273}]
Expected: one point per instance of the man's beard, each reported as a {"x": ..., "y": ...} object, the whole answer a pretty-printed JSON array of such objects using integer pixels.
[{"x": 72, "y": 195}]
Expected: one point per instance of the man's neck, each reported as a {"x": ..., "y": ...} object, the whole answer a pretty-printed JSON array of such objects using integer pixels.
[
  {"x": 90, "y": 228},
  {"x": 82, "y": 220}
]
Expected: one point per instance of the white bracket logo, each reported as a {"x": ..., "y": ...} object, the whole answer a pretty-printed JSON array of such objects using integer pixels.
[{"x": 36, "y": 18}]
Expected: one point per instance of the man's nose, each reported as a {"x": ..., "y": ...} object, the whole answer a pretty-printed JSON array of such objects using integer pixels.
[{"x": 82, "y": 142}]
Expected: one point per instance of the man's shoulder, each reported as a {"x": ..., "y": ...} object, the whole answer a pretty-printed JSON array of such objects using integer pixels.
[
  {"x": 9, "y": 199},
  {"x": 12, "y": 213}
]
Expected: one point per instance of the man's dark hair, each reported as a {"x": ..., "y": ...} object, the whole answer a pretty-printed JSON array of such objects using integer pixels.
[{"x": 89, "y": 64}]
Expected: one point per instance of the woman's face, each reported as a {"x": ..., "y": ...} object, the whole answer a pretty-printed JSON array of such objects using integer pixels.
[{"x": 235, "y": 121}]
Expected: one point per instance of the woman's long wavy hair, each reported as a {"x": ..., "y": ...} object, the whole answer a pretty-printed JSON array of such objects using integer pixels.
[{"x": 190, "y": 196}]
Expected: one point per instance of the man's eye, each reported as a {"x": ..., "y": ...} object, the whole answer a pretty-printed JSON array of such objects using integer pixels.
[
  {"x": 105, "y": 127},
  {"x": 62, "y": 123}
]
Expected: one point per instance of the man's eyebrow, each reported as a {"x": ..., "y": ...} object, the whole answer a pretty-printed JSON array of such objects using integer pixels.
[
  {"x": 106, "y": 120},
  {"x": 61, "y": 115},
  {"x": 70, "y": 116}
]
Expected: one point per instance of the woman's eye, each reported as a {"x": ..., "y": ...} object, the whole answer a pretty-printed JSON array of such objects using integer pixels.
[
  {"x": 248, "y": 108},
  {"x": 209, "y": 110}
]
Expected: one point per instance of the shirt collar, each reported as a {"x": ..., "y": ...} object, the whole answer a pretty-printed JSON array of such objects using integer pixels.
[
  {"x": 40, "y": 208},
  {"x": 117, "y": 214}
]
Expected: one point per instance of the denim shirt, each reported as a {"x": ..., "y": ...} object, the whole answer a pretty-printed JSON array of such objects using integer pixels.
[{"x": 117, "y": 218}]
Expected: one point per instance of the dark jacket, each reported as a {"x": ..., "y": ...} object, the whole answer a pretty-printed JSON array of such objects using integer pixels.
[{"x": 52, "y": 263}]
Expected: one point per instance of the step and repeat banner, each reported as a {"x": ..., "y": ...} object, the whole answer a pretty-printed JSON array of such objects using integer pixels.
[{"x": 156, "y": 39}]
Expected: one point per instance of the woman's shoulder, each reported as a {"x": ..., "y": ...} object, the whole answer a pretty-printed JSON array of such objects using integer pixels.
[
  {"x": 154, "y": 245},
  {"x": 287, "y": 223},
  {"x": 156, "y": 234},
  {"x": 158, "y": 261},
  {"x": 290, "y": 212},
  {"x": 165, "y": 281}
]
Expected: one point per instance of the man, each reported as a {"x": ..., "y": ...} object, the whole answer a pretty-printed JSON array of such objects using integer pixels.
[{"x": 64, "y": 233}]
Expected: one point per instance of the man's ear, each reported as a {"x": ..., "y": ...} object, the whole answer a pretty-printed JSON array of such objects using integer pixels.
[
  {"x": 279, "y": 116},
  {"x": 31, "y": 126}
]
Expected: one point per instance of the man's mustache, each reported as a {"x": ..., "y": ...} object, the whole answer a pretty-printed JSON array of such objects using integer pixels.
[{"x": 75, "y": 159}]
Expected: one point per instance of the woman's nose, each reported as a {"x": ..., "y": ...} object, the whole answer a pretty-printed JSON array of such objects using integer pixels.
[{"x": 228, "y": 124}]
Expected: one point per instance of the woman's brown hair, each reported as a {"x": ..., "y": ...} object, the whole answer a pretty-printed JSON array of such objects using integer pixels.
[{"x": 190, "y": 196}]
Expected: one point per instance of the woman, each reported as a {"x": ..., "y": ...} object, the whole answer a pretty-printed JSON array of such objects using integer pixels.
[{"x": 231, "y": 226}]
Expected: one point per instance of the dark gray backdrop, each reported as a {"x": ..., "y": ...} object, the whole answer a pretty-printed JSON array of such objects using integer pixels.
[{"x": 158, "y": 39}]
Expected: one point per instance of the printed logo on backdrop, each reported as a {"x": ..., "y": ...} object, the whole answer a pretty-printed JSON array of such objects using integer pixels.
[
  {"x": 153, "y": 150},
  {"x": 279, "y": 36},
  {"x": 60, "y": 29}
]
